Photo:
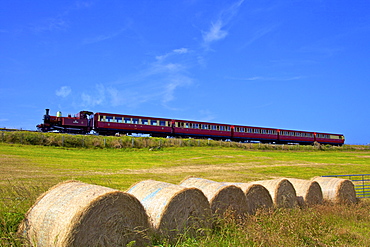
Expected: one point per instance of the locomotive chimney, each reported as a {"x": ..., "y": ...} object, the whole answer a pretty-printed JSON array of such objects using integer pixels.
[{"x": 47, "y": 111}]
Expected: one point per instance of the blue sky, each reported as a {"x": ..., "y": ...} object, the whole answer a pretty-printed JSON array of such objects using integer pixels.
[{"x": 290, "y": 64}]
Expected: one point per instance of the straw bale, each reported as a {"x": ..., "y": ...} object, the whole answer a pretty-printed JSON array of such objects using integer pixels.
[
  {"x": 73, "y": 213},
  {"x": 337, "y": 190},
  {"x": 282, "y": 192},
  {"x": 222, "y": 197},
  {"x": 308, "y": 192},
  {"x": 257, "y": 196},
  {"x": 173, "y": 209}
]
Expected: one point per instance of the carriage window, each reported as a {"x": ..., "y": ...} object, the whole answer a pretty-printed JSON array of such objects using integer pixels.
[
  {"x": 204, "y": 126},
  {"x": 153, "y": 122},
  {"x": 228, "y": 128},
  {"x": 297, "y": 134},
  {"x": 186, "y": 125},
  {"x": 118, "y": 119},
  {"x": 242, "y": 129},
  {"x": 222, "y": 128},
  {"x": 144, "y": 121},
  {"x": 109, "y": 119},
  {"x": 135, "y": 121},
  {"x": 162, "y": 123},
  {"x": 127, "y": 120},
  {"x": 256, "y": 131},
  {"x": 263, "y": 131}
]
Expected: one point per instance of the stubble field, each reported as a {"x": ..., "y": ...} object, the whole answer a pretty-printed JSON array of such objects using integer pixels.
[{"x": 26, "y": 171}]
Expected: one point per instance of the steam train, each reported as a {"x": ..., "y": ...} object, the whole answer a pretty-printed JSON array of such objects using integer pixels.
[{"x": 110, "y": 124}]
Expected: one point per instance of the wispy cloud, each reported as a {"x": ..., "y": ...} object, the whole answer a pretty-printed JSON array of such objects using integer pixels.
[
  {"x": 60, "y": 21},
  {"x": 217, "y": 30},
  {"x": 259, "y": 33},
  {"x": 94, "y": 98},
  {"x": 158, "y": 82},
  {"x": 267, "y": 78},
  {"x": 173, "y": 73},
  {"x": 63, "y": 91},
  {"x": 214, "y": 33},
  {"x": 206, "y": 115},
  {"x": 50, "y": 24},
  {"x": 161, "y": 58},
  {"x": 104, "y": 37}
]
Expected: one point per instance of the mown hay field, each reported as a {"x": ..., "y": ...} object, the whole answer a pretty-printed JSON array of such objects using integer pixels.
[{"x": 26, "y": 171}]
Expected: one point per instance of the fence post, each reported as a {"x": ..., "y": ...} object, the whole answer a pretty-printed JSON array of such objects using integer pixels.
[
  {"x": 62, "y": 141},
  {"x": 132, "y": 142},
  {"x": 363, "y": 186},
  {"x": 105, "y": 142}
]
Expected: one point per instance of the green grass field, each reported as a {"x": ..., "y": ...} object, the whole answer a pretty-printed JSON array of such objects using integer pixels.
[{"x": 26, "y": 171}]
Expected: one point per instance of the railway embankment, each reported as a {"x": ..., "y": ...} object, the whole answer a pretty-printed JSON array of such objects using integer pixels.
[{"x": 152, "y": 143}]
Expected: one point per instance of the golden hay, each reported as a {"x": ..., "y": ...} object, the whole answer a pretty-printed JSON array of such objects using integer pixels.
[
  {"x": 282, "y": 192},
  {"x": 308, "y": 192},
  {"x": 73, "y": 213},
  {"x": 173, "y": 209},
  {"x": 337, "y": 190},
  {"x": 222, "y": 198},
  {"x": 257, "y": 196}
]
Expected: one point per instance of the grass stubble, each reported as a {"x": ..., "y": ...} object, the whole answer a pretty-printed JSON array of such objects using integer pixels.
[{"x": 27, "y": 172}]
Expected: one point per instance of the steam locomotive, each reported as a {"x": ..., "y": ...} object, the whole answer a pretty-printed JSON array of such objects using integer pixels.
[{"x": 110, "y": 124}]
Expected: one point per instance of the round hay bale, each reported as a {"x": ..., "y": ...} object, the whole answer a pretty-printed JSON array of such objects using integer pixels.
[
  {"x": 173, "y": 209},
  {"x": 282, "y": 192},
  {"x": 308, "y": 192},
  {"x": 73, "y": 213},
  {"x": 337, "y": 190},
  {"x": 257, "y": 196},
  {"x": 222, "y": 198}
]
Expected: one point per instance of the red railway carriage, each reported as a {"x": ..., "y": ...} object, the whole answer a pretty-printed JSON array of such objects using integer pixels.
[
  {"x": 254, "y": 133},
  {"x": 293, "y": 136},
  {"x": 110, "y": 124},
  {"x": 201, "y": 129},
  {"x": 332, "y": 139}
]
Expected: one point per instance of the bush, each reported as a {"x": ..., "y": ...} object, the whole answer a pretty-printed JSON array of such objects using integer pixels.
[{"x": 93, "y": 141}]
